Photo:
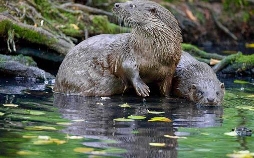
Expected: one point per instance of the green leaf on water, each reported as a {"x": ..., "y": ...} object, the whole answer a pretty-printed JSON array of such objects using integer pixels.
[
  {"x": 1, "y": 114},
  {"x": 123, "y": 119},
  {"x": 64, "y": 123},
  {"x": 135, "y": 117},
  {"x": 241, "y": 82},
  {"x": 34, "y": 112},
  {"x": 155, "y": 112},
  {"x": 125, "y": 105}
]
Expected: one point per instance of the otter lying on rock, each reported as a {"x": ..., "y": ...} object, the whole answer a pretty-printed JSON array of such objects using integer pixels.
[
  {"x": 105, "y": 65},
  {"x": 196, "y": 81}
]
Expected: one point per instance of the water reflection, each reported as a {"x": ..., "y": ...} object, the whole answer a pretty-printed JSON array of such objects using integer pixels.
[{"x": 99, "y": 114}]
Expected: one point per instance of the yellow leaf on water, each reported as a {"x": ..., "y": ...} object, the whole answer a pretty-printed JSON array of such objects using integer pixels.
[
  {"x": 58, "y": 142},
  {"x": 157, "y": 144},
  {"x": 39, "y": 128},
  {"x": 27, "y": 136},
  {"x": 155, "y": 112},
  {"x": 160, "y": 119},
  {"x": 26, "y": 152},
  {"x": 83, "y": 150},
  {"x": 11, "y": 105},
  {"x": 249, "y": 45},
  {"x": 175, "y": 137},
  {"x": 125, "y": 105}
]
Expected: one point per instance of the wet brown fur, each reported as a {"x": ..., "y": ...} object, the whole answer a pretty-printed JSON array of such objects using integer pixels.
[
  {"x": 105, "y": 65},
  {"x": 197, "y": 82}
]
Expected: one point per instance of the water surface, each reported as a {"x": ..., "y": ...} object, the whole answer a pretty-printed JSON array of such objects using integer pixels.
[{"x": 48, "y": 125}]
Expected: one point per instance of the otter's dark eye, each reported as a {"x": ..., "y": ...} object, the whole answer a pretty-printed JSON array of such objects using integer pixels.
[
  {"x": 132, "y": 5},
  {"x": 200, "y": 93}
]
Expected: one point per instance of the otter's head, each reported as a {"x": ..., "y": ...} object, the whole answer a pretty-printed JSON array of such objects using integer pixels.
[
  {"x": 209, "y": 93},
  {"x": 146, "y": 15}
]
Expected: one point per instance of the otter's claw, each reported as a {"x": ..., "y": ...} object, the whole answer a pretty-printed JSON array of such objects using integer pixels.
[{"x": 141, "y": 88}]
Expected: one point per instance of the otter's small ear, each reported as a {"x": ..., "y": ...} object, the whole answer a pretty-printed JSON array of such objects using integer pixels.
[
  {"x": 153, "y": 10},
  {"x": 222, "y": 85}
]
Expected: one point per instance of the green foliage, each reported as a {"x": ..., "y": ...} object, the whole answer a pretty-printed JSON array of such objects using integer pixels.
[{"x": 229, "y": 4}]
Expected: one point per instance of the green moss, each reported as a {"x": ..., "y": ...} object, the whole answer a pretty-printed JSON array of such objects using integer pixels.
[
  {"x": 69, "y": 30},
  {"x": 102, "y": 25},
  {"x": 195, "y": 51},
  {"x": 26, "y": 60},
  {"x": 24, "y": 33},
  {"x": 247, "y": 59}
]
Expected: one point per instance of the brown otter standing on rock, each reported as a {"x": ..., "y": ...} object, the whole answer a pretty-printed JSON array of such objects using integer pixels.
[
  {"x": 197, "y": 82},
  {"x": 105, "y": 65}
]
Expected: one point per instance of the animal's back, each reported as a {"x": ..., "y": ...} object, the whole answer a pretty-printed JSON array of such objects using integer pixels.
[{"x": 85, "y": 68}]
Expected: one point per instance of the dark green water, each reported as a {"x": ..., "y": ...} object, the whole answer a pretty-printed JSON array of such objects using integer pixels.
[{"x": 48, "y": 125}]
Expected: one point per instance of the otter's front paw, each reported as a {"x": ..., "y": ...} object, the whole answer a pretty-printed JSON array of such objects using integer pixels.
[{"x": 141, "y": 88}]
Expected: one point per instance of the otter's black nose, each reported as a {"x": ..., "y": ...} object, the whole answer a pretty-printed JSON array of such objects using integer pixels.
[
  {"x": 117, "y": 5},
  {"x": 210, "y": 100}
]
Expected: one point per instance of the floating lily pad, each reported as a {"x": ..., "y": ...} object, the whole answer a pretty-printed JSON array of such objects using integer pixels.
[
  {"x": 123, "y": 119},
  {"x": 160, "y": 119},
  {"x": 155, "y": 112},
  {"x": 11, "y": 105},
  {"x": 125, "y": 105},
  {"x": 136, "y": 117},
  {"x": 157, "y": 144}
]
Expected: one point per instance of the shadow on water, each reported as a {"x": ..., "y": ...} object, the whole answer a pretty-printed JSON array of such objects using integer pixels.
[{"x": 134, "y": 136}]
